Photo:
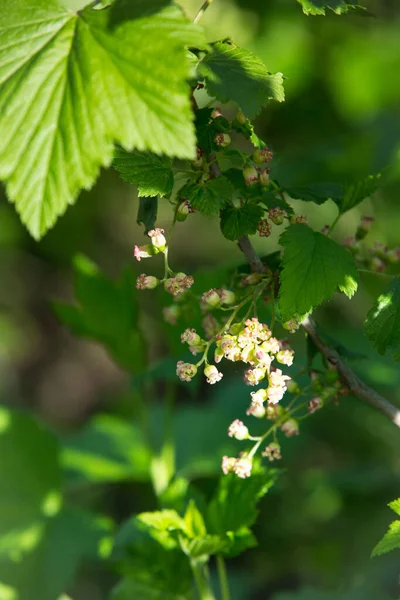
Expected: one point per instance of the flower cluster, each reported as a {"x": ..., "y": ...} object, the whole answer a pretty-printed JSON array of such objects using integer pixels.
[{"x": 376, "y": 258}]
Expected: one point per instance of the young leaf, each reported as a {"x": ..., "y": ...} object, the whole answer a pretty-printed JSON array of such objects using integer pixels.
[
  {"x": 236, "y": 222},
  {"x": 151, "y": 173},
  {"x": 106, "y": 312},
  {"x": 318, "y": 7},
  {"x": 391, "y": 539},
  {"x": 382, "y": 324},
  {"x": 314, "y": 266},
  {"x": 107, "y": 449},
  {"x": 70, "y": 86},
  {"x": 194, "y": 521},
  {"x": 235, "y": 500},
  {"x": 356, "y": 193},
  {"x": 208, "y": 197},
  {"x": 163, "y": 526},
  {"x": 233, "y": 73}
]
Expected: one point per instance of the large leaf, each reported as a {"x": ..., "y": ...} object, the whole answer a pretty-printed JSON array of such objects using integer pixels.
[
  {"x": 314, "y": 266},
  {"x": 208, "y": 197},
  {"x": 382, "y": 324},
  {"x": 233, "y": 73},
  {"x": 106, "y": 312},
  {"x": 391, "y": 539},
  {"x": 151, "y": 173},
  {"x": 29, "y": 480},
  {"x": 357, "y": 192},
  {"x": 236, "y": 222},
  {"x": 316, "y": 192},
  {"x": 50, "y": 569},
  {"x": 318, "y": 7},
  {"x": 70, "y": 86},
  {"x": 107, "y": 449}
]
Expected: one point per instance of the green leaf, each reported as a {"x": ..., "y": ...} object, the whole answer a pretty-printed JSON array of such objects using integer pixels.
[
  {"x": 203, "y": 129},
  {"x": 47, "y": 572},
  {"x": 151, "y": 173},
  {"x": 194, "y": 521},
  {"x": 209, "y": 196},
  {"x": 316, "y": 192},
  {"x": 107, "y": 449},
  {"x": 233, "y": 73},
  {"x": 70, "y": 86},
  {"x": 318, "y": 7},
  {"x": 202, "y": 547},
  {"x": 147, "y": 212},
  {"x": 314, "y": 266},
  {"x": 163, "y": 526},
  {"x": 126, "y": 10},
  {"x": 234, "y": 503},
  {"x": 356, "y": 193},
  {"x": 107, "y": 312},
  {"x": 30, "y": 481},
  {"x": 236, "y": 222},
  {"x": 390, "y": 541},
  {"x": 382, "y": 324}
]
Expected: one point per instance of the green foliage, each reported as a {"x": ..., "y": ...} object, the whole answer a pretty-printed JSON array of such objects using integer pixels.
[
  {"x": 106, "y": 312},
  {"x": 318, "y": 7},
  {"x": 238, "y": 221},
  {"x": 151, "y": 173},
  {"x": 147, "y": 212},
  {"x": 356, "y": 193},
  {"x": 31, "y": 478},
  {"x": 391, "y": 539},
  {"x": 208, "y": 197},
  {"x": 70, "y": 86},
  {"x": 313, "y": 267},
  {"x": 382, "y": 324},
  {"x": 107, "y": 449},
  {"x": 233, "y": 73}
]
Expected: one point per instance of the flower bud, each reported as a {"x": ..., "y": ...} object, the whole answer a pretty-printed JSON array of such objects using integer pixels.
[
  {"x": 292, "y": 325},
  {"x": 251, "y": 279},
  {"x": 262, "y": 155},
  {"x": 158, "y": 240},
  {"x": 185, "y": 371},
  {"x": 290, "y": 428},
  {"x": 226, "y": 296},
  {"x": 242, "y": 467},
  {"x": 256, "y": 410},
  {"x": 216, "y": 113},
  {"x": 210, "y": 300},
  {"x": 183, "y": 210},
  {"x": 315, "y": 404},
  {"x": 393, "y": 256},
  {"x": 364, "y": 227},
  {"x": 228, "y": 463},
  {"x": 212, "y": 374},
  {"x": 285, "y": 357},
  {"x": 250, "y": 175},
  {"x": 189, "y": 336},
  {"x": 377, "y": 265},
  {"x": 264, "y": 228},
  {"x": 254, "y": 376},
  {"x": 140, "y": 252},
  {"x": 298, "y": 220},
  {"x": 222, "y": 139},
  {"x": 293, "y": 387},
  {"x": 171, "y": 313},
  {"x": 146, "y": 282},
  {"x": 199, "y": 160},
  {"x": 277, "y": 215},
  {"x": 264, "y": 177},
  {"x": 238, "y": 430},
  {"x": 272, "y": 451}
]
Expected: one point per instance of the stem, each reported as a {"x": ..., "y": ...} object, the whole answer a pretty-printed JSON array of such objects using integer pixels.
[
  {"x": 335, "y": 222},
  {"x": 223, "y": 578},
  {"x": 202, "y": 10},
  {"x": 203, "y": 588}
]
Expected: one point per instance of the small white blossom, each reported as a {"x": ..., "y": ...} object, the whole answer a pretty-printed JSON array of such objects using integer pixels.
[{"x": 238, "y": 430}]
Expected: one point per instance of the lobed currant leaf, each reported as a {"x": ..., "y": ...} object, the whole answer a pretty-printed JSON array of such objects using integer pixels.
[
  {"x": 70, "y": 86},
  {"x": 151, "y": 173},
  {"x": 391, "y": 539},
  {"x": 233, "y": 73},
  {"x": 382, "y": 324},
  {"x": 236, "y": 222},
  {"x": 340, "y": 7},
  {"x": 313, "y": 267},
  {"x": 355, "y": 193},
  {"x": 208, "y": 197}
]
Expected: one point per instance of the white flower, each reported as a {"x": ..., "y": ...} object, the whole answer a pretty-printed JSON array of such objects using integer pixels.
[
  {"x": 242, "y": 467},
  {"x": 212, "y": 374},
  {"x": 238, "y": 430}
]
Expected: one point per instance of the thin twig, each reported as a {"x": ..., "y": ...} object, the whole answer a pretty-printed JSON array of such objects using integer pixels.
[
  {"x": 202, "y": 10},
  {"x": 357, "y": 387}
]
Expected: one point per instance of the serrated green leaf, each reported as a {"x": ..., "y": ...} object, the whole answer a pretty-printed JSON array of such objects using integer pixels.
[
  {"x": 382, "y": 324},
  {"x": 126, "y": 10},
  {"x": 203, "y": 130},
  {"x": 206, "y": 545},
  {"x": 208, "y": 197},
  {"x": 318, "y": 7},
  {"x": 233, "y": 506},
  {"x": 30, "y": 482},
  {"x": 70, "y": 86},
  {"x": 233, "y": 73},
  {"x": 106, "y": 312},
  {"x": 164, "y": 526},
  {"x": 46, "y": 572},
  {"x": 107, "y": 449},
  {"x": 151, "y": 173},
  {"x": 391, "y": 539},
  {"x": 316, "y": 192},
  {"x": 194, "y": 521},
  {"x": 236, "y": 222},
  {"x": 314, "y": 266},
  {"x": 356, "y": 193}
]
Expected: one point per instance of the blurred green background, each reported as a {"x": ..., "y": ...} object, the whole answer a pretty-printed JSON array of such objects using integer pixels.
[{"x": 340, "y": 122}]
